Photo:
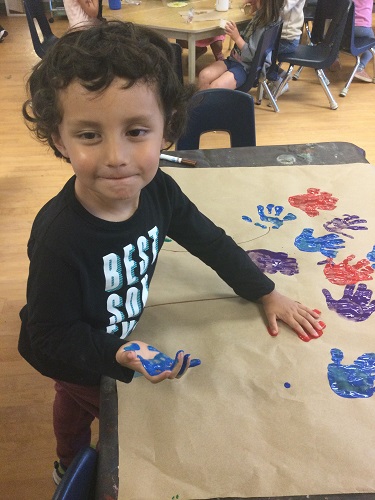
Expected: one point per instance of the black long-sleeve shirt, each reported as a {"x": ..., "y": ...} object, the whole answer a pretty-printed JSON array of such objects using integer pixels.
[{"x": 89, "y": 278}]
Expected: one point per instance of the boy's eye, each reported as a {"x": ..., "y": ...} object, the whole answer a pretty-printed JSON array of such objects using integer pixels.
[
  {"x": 137, "y": 132},
  {"x": 88, "y": 136}
]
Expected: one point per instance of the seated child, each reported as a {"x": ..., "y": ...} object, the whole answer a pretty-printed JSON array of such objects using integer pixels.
[
  {"x": 232, "y": 72},
  {"x": 94, "y": 246}
]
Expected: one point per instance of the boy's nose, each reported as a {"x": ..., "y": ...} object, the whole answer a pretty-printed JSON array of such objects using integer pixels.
[{"x": 116, "y": 152}]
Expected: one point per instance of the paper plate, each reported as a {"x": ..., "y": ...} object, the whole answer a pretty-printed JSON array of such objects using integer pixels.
[{"x": 177, "y": 4}]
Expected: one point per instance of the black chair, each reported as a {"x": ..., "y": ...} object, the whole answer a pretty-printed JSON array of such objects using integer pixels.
[
  {"x": 268, "y": 43},
  {"x": 308, "y": 16},
  {"x": 355, "y": 46},
  {"x": 78, "y": 482},
  {"x": 177, "y": 61},
  {"x": 226, "y": 110},
  {"x": 35, "y": 13},
  {"x": 326, "y": 44}
]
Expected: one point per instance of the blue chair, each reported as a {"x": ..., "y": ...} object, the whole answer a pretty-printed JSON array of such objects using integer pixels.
[
  {"x": 268, "y": 44},
  {"x": 355, "y": 46},
  {"x": 326, "y": 44},
  {"x": 78, "y": 482},
  {"x": 226, "y": 110},
  {"x": 35, "y": 13}
]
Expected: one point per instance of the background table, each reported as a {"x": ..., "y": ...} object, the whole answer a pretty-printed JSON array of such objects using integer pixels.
[
  {"x": 323, "y": 153},
  {"x": 168, "y": 21}
]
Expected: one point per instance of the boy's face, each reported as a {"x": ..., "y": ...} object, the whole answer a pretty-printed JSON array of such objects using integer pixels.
[{"x": 113, "y": 141}]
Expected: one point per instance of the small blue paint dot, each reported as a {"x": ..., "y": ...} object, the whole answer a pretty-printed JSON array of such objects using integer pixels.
[{"x": 287, "y": 385}]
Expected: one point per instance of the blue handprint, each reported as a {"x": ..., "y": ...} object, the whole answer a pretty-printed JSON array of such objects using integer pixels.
[
  {"x": 275, "y": 221},
  {"x": 161, "y": 362},
  {"x": 328, "y": 245},
  {"x": 352, "y": 381},
  {"x": 371, "y": 256},
  {"x": 356, "y": 306}
]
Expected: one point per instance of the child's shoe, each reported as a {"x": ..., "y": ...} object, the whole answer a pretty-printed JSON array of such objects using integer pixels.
[
  {"x": 363, "y": 76},
  {"x": 3, "y": 33},
  {"x": 58, "y": 472},
  {"x": 273, "y": 86}
]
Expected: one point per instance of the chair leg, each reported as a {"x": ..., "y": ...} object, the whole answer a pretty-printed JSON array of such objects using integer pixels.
[
  {"x": 373, "y": 64},
  {"x": 284, "y": 81},
  {"x": 271, "y": 99},
  {"x": 259, "y": 94},
  {"x": 297, "y": 73},
  {"x": 323, "y": 81},
  {"x": 347, "y": 85}
]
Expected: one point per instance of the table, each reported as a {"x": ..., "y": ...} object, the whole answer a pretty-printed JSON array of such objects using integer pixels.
[
  {"x": 168, "y": 21},
  {"x": 323, "y": 153}
]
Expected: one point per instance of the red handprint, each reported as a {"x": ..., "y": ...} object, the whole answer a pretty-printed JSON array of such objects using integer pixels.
[
  {"x": 345, "y": 274},
  {"x": 313, "y": 201}
]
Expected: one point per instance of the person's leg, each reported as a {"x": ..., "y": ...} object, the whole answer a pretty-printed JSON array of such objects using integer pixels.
[
  {"x": 211, "y": 73},
  {"x": 366, "y": 56},
  {"x": 217, "y": 50},
  {"x": 199, "y": 49},
  {"x": 74, "y": 409},
  {"x": 287, "y": 47}
]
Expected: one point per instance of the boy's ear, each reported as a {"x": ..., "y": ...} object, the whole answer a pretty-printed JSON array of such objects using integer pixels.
[{"x": 58, "y": 142}]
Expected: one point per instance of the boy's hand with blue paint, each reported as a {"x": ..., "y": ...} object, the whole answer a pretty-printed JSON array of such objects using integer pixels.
[{"x": 152, "y": 363}]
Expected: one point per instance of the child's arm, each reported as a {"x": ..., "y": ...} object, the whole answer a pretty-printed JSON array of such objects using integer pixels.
[
  {"x": 153, "y": 364},
  {"x": 247, "y": 48},
  {"x": 232, "y": 31},
  {"x": 90, "y": 7}
]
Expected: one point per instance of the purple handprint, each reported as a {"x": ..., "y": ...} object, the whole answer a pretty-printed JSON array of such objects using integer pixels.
[
  {"x": 351, "y": 222},
  {"x": 272, "y": 262},
  {"x": 328, "y": 245},
  {"x": 356, "y": 306}
]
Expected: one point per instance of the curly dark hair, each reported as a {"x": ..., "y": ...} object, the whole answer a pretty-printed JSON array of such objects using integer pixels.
[{"x": 95, "y": 56}]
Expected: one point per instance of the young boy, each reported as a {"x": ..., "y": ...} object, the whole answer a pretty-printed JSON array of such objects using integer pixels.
[{"x": 106, "y": 99}]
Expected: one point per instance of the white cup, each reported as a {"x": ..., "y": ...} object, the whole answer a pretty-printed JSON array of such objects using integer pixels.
[{"x": 222, "y": 5}]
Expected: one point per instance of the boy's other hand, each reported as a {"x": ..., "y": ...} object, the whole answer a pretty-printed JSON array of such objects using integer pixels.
[
  {"x": 301, "y": 319},
  {"x": 152, "y": 363}
]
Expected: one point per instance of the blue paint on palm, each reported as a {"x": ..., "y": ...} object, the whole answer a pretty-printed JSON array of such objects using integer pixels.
[{"x": 161, "y": 362}]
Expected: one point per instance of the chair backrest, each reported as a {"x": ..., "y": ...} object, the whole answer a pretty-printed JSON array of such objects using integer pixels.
[
  {"x": 333, "y": 13},
  {"x": 347, "y": 42},
  {"x": 78, "y": 482},
  {"x": 352, "y": 44},
  {"x": 177, "y": 61},
  {"x": 35, "y": 13},
  {"x": 220, "y": 109},
  {"x": 268, "y": 43}
]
